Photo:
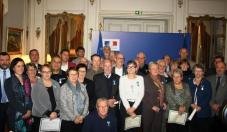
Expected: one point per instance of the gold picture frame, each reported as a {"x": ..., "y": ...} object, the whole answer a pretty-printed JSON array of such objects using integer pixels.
[{"x": 14, "y": 40}]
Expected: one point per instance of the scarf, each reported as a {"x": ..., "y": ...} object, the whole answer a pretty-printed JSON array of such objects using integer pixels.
[
  {"x": 79, "y": 96},
  {"x": 157, "y": 82}
]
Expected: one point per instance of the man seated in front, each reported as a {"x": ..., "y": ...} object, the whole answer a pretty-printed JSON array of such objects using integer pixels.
[{"x": 101, "y": 119}]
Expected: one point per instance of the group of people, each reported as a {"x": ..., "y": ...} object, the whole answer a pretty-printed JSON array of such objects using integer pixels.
[{"x": 98, "y": 95}]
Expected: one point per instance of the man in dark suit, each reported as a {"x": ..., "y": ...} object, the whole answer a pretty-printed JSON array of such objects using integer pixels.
[
  {"x": 34, "y": 57},
  {"x": 143, "y": 67},
  {"x": 119, "y": 68},
  {"x": 107, "y": 86},
  {"x": 4, "y": 74},
  {"x": 219, "y": 95}
]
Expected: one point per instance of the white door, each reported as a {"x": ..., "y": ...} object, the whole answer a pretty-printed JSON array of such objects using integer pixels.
[{"x": 135, "y": 25}]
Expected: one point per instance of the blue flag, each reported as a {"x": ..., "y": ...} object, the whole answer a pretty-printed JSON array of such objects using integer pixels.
[{"x": 100, "y": 46}]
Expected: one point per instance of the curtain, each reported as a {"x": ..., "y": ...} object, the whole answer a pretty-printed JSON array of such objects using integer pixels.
[
  {"x": 204, "y": 31},
  {"x": 63, "y": 31}
]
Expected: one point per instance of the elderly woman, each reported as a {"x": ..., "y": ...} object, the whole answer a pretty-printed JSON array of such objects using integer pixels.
[
  {"x": 201, "y": 92},
  {"x": 31, "y": 72},
  {"x": 153, "y": 101},
  {"x": 178, "y": 97},
  {"x": 131, "y": 90},
  {"x": 82, "y": 70},
  {"x": 74, "y": 103},
  {"x": 18, "y": 91},
  {"x": 45, "y": 97},
  {"x": 162, "y": 71}
]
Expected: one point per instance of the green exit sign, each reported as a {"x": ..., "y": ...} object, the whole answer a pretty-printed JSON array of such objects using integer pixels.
[{"x": 138, "y": 12}]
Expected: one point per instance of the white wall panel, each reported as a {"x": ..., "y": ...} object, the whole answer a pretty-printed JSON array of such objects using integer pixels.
[
  {"x": 135, "y": 27},
  {"x": 132, "y": 5},
  {"x": 65, "y": 5},
  {"x": 213, "y": 7},
  {"x": 115, "y": 27}
]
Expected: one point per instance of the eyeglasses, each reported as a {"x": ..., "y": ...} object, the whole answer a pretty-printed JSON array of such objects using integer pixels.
[{"x": 131, "y": 67}]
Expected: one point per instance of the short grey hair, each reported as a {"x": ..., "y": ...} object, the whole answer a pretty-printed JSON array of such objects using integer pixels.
[
  {"x": 178, "y": 71},
  {"x": 141, "y": 53},
  {"x": 152, "y": 63},
  {"x": 101, "y": 100}
]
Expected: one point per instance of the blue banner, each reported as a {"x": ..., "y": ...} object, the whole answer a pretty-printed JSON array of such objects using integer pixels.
[{"x": 154, "y": 45}]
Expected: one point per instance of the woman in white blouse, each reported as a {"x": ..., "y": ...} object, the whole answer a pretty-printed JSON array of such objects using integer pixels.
[{"x": 131, "y": 92}]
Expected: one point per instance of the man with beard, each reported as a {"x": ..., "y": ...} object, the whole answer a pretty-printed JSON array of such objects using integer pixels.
[
  {"x": 4, "y": 74},
  {"x": 219, "y": 95}
]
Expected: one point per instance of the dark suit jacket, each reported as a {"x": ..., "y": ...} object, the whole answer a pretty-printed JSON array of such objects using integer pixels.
[
  {"x": 143, "y": 70},
  {"x": 101, "y": 86},
  {"x": 90, "y": 91},
  {"x": 219, "y": 96}
]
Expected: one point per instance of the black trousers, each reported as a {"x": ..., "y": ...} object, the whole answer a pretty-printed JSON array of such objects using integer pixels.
[
  {"x": 217, "y": 125},
  {"x": 200, "y": 124},
  {"x": 36, "y": 123},
  {"x": 125, "y": 115},
  {"x": 3, "y": 116},
  {"x": 118, "y": 114},
  {"x": 70, "y": 126},
  {"x": 152, "y": 121},
  {"x": 172, "y": 127}
]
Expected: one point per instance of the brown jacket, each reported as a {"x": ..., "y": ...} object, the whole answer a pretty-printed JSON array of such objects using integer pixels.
[{"x": 151, "y": 94}]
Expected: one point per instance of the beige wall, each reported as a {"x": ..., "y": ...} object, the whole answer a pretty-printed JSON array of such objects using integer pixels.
[
  {"x": 13, "y": 18},
  {"x": 95, "y": 13}
]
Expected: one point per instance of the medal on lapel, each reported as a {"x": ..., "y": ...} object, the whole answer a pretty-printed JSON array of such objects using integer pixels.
[
  {"x": 202, "y": 88},
  {"x": 114, "y": 82},
  {"x": 138, "y": 84},
  {"x": 108, "y": 123}
]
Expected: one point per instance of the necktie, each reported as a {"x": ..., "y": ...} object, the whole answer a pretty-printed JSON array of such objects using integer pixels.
[
  {"x": 218, "y": 83},
  {"x": 4, "y": 76}
]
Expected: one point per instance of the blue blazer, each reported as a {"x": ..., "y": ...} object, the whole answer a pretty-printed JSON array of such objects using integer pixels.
[{"x": 204, "y": 94}]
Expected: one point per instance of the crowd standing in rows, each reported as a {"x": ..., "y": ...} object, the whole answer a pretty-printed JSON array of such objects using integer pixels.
[{"x": 98, "y": 95}]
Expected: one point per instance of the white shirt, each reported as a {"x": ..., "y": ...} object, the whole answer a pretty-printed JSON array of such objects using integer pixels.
[
  {"x": 131, "y": 90},
  {"x": 4, "y": 98},
  {"x": 119, "y": 71},
  {"x": 64, "y": 67}
]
